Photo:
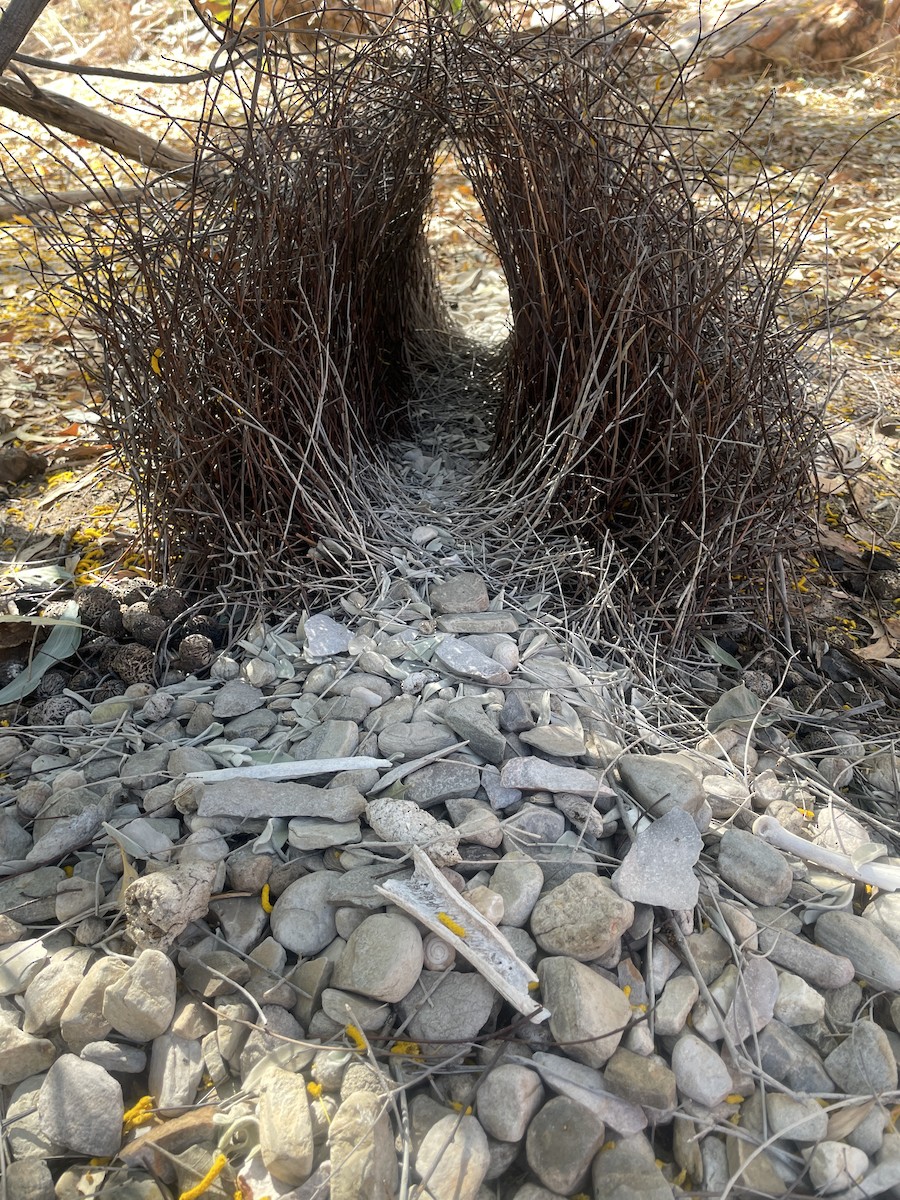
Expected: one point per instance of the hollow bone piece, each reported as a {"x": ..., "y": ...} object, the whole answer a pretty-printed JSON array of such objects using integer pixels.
[
  {"x": 429, "y": 898},
  {"x": 881, "y": 875}
]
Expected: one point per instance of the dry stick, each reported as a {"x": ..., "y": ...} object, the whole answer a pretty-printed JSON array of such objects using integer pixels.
[{"x": 82, "y": 121}]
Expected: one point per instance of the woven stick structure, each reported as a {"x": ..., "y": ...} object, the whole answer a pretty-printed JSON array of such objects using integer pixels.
[{"x": 270, "y": 327}]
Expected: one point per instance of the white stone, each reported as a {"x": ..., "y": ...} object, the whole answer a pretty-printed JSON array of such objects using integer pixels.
[
  {"x": 835, "y": 1167},
  {"x": 454, "y": 1156},
  {"x": 141, "y": 1004}
]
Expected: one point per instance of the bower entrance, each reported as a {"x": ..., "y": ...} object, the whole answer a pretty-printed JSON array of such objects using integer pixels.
[{"x": 270, "y": 335}]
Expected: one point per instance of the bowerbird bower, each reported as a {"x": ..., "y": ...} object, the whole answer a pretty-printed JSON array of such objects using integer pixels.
[{"x": 266, "y": 326}]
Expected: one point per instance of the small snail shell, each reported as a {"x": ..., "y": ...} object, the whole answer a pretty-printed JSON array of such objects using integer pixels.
[{"x": 438, "y": 954}]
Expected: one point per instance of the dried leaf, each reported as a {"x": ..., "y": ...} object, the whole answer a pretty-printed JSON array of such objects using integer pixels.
[
  {"x": 842, "y": 1122},
  {"x": 736, "y": 707},
  {"x": 64, "y": 489},
  {"x": 887, "y": 644},
  {"x": 64, "y": 640}
]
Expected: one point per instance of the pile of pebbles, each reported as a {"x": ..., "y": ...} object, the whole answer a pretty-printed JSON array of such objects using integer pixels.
[{"x": 222, "y": 973}]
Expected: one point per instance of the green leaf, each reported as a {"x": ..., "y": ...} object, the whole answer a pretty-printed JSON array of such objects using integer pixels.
[
  {"x": 64, "y": 640},
  {"x": 714, "y": 650}
]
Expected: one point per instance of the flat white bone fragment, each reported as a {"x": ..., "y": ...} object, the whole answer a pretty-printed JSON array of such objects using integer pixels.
[{"x": 428, "y": 897}]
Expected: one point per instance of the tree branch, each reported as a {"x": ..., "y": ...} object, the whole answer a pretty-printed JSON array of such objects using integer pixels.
[
  {"x": 81, "y": 121},
  {"x": 15, "y": 25}
]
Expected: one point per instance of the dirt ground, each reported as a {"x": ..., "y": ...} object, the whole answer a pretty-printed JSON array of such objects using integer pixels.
[{"x": 834, "y": 138}]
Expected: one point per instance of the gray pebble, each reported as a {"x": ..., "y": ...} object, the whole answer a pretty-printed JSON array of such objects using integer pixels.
[
  {"x": 184, "y": 759},
  {"x": 534, "y": 774},
  {"x": 660, "y": 782},
  {"x": 643, "y": 1079},
  {"x": 81, "y": 1107},
  {"x": 51, "y": 989},
  {"x": 478, "y": 622},
  {"x": 835, "y": 1167},
  {"x": 454, "y": 1006},
  {"x": 441, "y": 781},
  {"x": 302, "y": 920},
  {"x": 559, "y": 740},
  {"x": 22, "y": 1055},
  {"x": 625, "y": 1171},
  {"x": 176, "y": 1066},
  {"x": 82, "y": 1019},
  {"x": 28, "y": 1179},
  {"x": 255, "y": 725},
  {"x": 256, "y": 798},
  {"x": 347, "y": 1008},
  {"x": 659, "y": 867},
  {"x": 819, "y": 967},
  {"x": 787, "y": 1057},
  {"x": 508, "y": 1097},
  {"x": 475, "y": 822},
  {"x": 561, "y": 1142},
  {"x": 797, "y": 1003},
  {"x": 699, "y": 1071},
  {"x": 582, "y": 918},
  {"x": 754, "y": 868},
  {"x": 382, "y": 959},
  {"x": 532, "y": 829},
  {"x": 588, "y": 1014},
  {"x": 405, "y": 742},
  {"x": 463, "y": 593},
  {"x": 460, "y": 658},
  {"x": 114, "y": 1056},
  {"x": 874, "y": 956},
  {"x": 325, "y": 637},
  {"x": 15, "y": 842},
  {"x": 330, "y": 739},
  {"x": 864, "y": 1063},
  {"x": 278, "y": 1041},
  {"x": 518, "y": 879},
  {"x": 883, "y": 910},
  {"x": 313, "y": 833},
  {"x": 754, "y": 998},
  {"x": 674, "y": 1005},
  {"x": 799, "y": 1118},
  {"x": 468, "y": 719},
  {"x": 235, "y": 698}
]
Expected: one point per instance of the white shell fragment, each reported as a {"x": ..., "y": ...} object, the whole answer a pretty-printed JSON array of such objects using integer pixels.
[{"x": 431, "y": 899}]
